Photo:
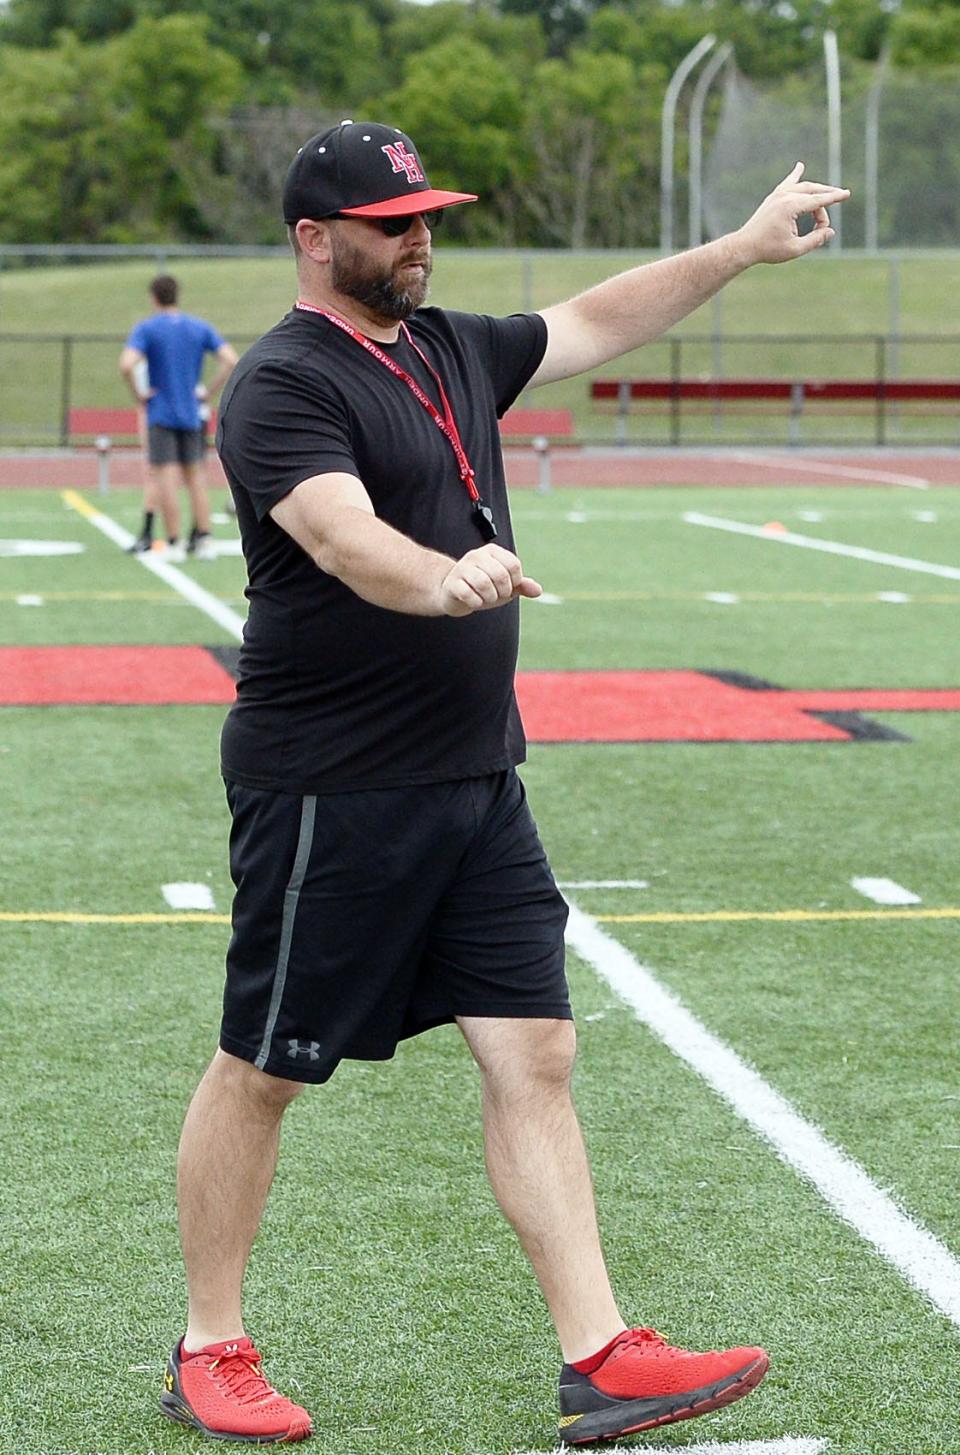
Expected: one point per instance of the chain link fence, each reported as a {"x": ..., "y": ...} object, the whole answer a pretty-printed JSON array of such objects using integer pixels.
[
  {"x": 900, "y": 146},
  {"x": 889, "y": 318}
]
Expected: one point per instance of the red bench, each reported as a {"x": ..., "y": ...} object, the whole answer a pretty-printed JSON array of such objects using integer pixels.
[
  {"x": 539, "y": 428},
  {"x": 797, "y": 393},
  {"x": 526, "y": 425},
  {"x": 86, "y": 426}
]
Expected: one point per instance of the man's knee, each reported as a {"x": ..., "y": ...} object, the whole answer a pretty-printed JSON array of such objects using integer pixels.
[
  {"x": 520, "y": 1056},
  {"x": 246, "y": 1081}
]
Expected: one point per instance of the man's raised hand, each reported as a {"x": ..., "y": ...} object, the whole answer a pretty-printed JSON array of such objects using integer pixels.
[
  {"x": 772, "y": 236},
  {"x": 487, "y": 577}
]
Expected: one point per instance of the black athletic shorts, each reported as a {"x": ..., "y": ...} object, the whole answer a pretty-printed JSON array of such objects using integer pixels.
[
  {"x": 362, "y": 918},
  {"x": 174, "y": 446}
]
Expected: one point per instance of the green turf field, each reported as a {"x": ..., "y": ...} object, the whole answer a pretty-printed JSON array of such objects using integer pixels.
[
  {"x": 837, "y": 304},
  {"x": 385, "y": 1290}
]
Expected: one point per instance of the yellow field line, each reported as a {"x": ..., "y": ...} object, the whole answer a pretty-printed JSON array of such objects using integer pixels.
[
  {"x": 660, "y": 917},
  {"x": 744, "y": 597},
  {"x": 728, "y": 916},
  {"x": 168, "y": 597},
  {"x": 93, "y": 595},
  {"x": 870, "y": 598},
  {"x": 76, "y": 501},
  {"x": 70, "y": 917}
]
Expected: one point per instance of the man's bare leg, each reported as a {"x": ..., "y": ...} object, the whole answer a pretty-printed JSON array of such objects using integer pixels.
[
  {"x": 228, "y": 1155},
  {"x": 194, "y": 477},
  {"x": 538, "y": 1169},
  {"x": 165, "y": 479}
]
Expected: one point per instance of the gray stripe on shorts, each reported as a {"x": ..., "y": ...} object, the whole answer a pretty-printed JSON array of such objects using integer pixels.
[{"x": 291, "y": 898}]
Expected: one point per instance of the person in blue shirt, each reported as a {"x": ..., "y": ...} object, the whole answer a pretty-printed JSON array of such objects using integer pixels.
[{"x": 173, "y": 345}]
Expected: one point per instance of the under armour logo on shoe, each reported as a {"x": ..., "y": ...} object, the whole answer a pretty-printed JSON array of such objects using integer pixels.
[{"x": 311, "y": 1049}]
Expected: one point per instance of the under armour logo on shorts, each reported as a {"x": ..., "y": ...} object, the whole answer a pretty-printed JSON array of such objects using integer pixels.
[{"x": 311, "y": 1049}]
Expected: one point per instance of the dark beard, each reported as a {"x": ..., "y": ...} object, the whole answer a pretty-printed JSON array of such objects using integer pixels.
[{"x": 356, "y": 277}]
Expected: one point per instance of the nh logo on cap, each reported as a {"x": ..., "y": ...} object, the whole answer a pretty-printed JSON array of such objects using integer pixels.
[{"x": 402, "y": 161}]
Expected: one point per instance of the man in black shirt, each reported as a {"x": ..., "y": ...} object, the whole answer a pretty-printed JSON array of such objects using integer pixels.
[{"x": 389, "y": 875}]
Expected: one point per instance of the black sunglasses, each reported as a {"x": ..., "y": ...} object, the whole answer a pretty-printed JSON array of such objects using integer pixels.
[{"x": 394, "y": 226}]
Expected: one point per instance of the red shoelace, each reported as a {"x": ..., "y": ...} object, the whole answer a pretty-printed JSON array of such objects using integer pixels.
[
  {"x": 639, "y": 1336},
  {"x": 240, "y": 1371}
]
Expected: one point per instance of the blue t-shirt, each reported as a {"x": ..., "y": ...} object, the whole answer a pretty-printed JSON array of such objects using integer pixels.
[{"x": 174, "y": 345}]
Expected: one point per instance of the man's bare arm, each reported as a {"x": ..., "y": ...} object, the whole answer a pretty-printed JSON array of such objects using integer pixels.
[
  {"x": 228, "y": 362},
  {"x": 631, "y": 309},
  {"x": 129, "y": 359},
  {"x": 332, "y": 518}
]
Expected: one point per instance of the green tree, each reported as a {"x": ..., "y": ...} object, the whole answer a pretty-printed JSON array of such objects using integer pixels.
[
  {"x": 170, "y": 83},
  {"x": 516, "y": 40},
  {"x": 53, "y": 124},
  {"x": 97, "y": 140},
  {"x": 771, "y": 38},
  {"x": 36, "y": 22},
  {"x": 332, "y": 46},
  {"x": 592, "y": 136},
  {"x": 926, "y": 35},
  {"x": 648, "y": 33},
  {"x": 562, "y": 21},
  {"x": 464, "y": 109}
]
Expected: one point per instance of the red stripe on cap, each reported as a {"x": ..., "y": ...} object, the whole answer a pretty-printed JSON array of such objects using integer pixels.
[{"x": 427, "y": 201}]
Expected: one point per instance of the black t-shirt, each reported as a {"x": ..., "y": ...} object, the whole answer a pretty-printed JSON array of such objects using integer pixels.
[{"x": 333, "y": 692}]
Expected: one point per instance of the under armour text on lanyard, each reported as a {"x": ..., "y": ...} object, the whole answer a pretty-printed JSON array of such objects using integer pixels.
[{"x": 445, "y": 422}]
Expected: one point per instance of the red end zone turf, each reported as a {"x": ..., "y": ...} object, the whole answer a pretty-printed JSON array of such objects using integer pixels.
[
  {"x": 558, "y": 707},
  {"x": 618, "y": 707},
  {"x": 121, "y": 676}
]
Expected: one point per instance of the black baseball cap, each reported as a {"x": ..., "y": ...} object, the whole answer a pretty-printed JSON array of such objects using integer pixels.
[{"x": 363, "y": 169}]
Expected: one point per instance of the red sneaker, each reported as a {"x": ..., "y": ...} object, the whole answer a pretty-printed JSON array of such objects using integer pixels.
[
  {"x": 643, "y": 1381},
  {"x": 221, "y": 1391}
]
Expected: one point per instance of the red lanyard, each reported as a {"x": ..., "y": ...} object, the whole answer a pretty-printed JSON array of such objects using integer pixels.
[{"x": 445, "y": 422}]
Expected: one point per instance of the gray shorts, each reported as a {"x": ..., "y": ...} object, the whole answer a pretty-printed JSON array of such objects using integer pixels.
[{"x": 174, "y": 446}]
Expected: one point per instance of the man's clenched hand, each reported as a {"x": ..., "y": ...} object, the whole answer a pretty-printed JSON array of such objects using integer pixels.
[{"x": 487, "y": 577}]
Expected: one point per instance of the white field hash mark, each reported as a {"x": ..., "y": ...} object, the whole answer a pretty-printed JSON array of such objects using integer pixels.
[
  {"x": 188, "y": 896},
  {"x": 917, "y": 1255},
  {"x": 811, "y": 543},
  {"x": 885, "y": 891}
]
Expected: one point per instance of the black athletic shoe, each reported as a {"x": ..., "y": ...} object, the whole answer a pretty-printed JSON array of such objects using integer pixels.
[{"x": 141, "y": 545}]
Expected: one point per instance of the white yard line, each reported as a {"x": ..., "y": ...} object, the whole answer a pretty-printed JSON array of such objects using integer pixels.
[
  {"x": 811, "y": 543},
  {"x": 787, "y": 1445},
  {"x": 885, "y": 891},
  {"x": 812, "y": 467},
  {"x": 188, "y": 896},
  {"x": 184, "y": 585},
  {"x": 913, "y": 1251}
]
